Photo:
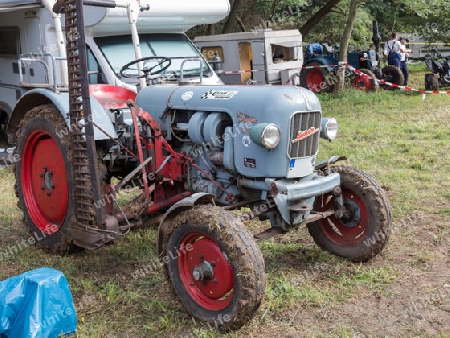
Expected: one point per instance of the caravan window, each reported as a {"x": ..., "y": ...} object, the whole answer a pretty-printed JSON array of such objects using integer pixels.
[
  {"x": 119, "y": 50},
  {"x": 9, "y": 42},
  {"x": 287, "y": 51}
]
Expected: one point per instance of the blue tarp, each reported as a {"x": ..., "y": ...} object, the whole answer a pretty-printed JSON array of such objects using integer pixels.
[{"x": 37, "y": 304}]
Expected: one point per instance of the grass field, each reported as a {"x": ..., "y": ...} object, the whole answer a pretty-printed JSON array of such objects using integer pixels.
[{"x": 402, "y": 139}]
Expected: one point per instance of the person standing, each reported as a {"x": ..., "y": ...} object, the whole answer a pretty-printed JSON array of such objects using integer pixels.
[
  {"x": 392, "y": 51},
  {"x": 403, "y": 58}
]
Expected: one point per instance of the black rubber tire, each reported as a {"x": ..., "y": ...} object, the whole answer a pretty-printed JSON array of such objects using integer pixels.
[
  {"x": 369, "y": 84},
  {"x": 46, "y": 118},
  {"x": 375, "y": 231},
  {"x": 429, "y": 81},
  {"x": 3, "y": 125},
  {"x": 321, "y": 74},
  {"x": 393, "y": 75},
  {"x": 243, "y": 255},
  {"x": 434, "y": 83}
]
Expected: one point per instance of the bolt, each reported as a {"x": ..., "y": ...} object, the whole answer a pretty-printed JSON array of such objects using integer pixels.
[
  {"x": 213, "y": 264},
  {"x": 196, "y": 275},
  {"x": 337, "y": 191},
  {"x": 215, "y": 280},
  {"x": 49, "y": 193},
  {"x": 45, "y": 167},
  {"x": 41, "y": 175},
  {"x": 201, "y": 256},
  {"x": 53, "y": 186},
  {"x": 43, "y": 187}
]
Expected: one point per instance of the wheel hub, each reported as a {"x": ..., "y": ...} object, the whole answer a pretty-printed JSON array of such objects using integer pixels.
[
  {"x": 46, "y": 194},
  {"x": 203, "y": 272},
  {"x": 48, "y": 180},
  {"x": 352, "y": 214},
  {"x": 206, "y": 273}
]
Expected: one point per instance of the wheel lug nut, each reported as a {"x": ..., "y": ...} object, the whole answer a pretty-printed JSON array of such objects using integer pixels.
[{"x": 196, "y": 275}]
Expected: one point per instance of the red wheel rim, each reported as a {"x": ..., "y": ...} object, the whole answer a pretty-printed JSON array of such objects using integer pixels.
[
  {"x": 44, "y": 182},
  {"x": 351, "y": 232},
  {"x": 363, "y": 82},
  {"x": 214, "y": 293},
  {"x": 314, "y": 80}
]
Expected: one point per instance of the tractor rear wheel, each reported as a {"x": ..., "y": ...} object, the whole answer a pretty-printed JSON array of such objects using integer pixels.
[
  {"x": 365, "y": 230},
  {"x": 393, "y": 75},
  {"x": 44, "y": 177},
  {"x": 215, "y": 267},
  {"x": 367, "y": 82},
  {"x": 315, "y": 79}
]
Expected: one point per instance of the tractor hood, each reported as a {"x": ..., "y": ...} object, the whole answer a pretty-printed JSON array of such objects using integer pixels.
[{"x": 294, "y": 110}]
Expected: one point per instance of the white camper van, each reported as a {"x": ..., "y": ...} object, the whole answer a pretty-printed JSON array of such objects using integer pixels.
[{"x": 33, "y": 60}]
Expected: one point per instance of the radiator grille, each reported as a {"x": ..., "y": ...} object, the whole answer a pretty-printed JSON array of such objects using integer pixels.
[{"x": 300, "y": 124}]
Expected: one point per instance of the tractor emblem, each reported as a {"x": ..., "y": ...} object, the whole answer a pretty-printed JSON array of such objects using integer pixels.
[{"x": 302, "y": 134}]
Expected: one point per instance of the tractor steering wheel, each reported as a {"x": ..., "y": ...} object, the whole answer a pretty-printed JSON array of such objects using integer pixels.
[{"x": 164, "y": 63}]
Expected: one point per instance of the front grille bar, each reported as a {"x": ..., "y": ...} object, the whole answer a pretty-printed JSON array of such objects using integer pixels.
[{"x": 302, "y": 122}]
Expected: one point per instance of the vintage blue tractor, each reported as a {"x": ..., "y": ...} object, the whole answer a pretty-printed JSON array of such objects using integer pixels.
[{"x": 191, "y": 153}]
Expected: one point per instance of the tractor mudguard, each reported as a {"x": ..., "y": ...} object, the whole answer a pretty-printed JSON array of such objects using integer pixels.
[
  {"x": 328, "y": 162},
  {"x": 40, "y": 96},
  {"x": 166, "y": 226}
]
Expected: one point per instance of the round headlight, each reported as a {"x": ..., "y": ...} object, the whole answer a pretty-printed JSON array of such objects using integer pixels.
[
  {"x": 266, "y": 134},
  {"x": 270, "y": 137},
  {"x": 329, "y": 128}
]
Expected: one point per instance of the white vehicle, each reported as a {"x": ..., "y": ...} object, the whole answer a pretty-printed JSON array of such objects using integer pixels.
[
  {"x": 33, "y": 66},
  {"x": 263, "y": 57}
]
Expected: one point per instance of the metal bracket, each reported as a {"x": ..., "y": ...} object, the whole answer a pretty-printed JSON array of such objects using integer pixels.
[{"x": 91, "y": 238}]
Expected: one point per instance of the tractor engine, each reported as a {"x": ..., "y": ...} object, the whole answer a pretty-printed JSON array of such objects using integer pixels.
[{"x": 241, "y": 140}]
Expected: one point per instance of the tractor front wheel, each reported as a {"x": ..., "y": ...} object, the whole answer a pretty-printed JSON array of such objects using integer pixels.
[
  {"x": 393, "y": 75},
  {"x": 366, "y": 80},
  {"x": 215, "y": 267},
  {"x": 44, "y": 177},
  {"x": 365, "y": 228}
]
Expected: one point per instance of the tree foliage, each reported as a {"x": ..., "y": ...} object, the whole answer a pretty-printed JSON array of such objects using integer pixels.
[{"x": 427, "y": 19}]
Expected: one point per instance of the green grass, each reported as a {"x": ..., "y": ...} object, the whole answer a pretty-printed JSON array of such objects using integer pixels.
[{"x": 399, "y": 137}]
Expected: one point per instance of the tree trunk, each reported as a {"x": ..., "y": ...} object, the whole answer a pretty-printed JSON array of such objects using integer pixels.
[
  {"x": 232, "y": 16},
  {"x": 315, "y": 19},
  {"x": 211, "y": 29},
  {"x": 344, "y": 44}
]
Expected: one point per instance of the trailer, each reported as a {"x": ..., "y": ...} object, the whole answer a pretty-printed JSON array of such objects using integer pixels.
[{"x": 260, "y": 57}]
